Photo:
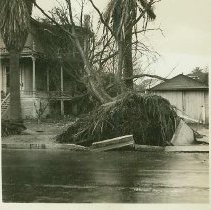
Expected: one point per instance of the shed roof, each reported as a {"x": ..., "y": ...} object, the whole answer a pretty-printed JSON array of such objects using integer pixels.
[{"x": 180, "y": 82}]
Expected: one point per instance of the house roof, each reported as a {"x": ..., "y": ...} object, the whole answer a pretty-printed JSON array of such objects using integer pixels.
[
  {"x": 180, "y": 82},
  {"x": 48, "y": 38}
]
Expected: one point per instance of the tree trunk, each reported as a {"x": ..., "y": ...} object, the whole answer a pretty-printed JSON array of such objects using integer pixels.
[
  {"x": 94, "y": 88},
  {"x": 15, "y": 107},
  {"x": 120, "y": 65},
  {"x": 128, "y": 61}
]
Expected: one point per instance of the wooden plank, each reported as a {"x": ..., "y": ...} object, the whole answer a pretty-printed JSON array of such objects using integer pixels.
[{"x": 115, "y": 143}]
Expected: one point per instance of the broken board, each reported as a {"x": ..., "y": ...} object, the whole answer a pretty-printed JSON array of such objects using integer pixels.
[{"x": 113, "y": 144}]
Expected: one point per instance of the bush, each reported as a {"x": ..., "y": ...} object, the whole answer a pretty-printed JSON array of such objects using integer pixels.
[
  {"x": 151, "y": 119},
  {"x": 11, "y": 128}
]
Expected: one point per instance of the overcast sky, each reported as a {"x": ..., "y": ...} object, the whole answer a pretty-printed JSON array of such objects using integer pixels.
[{"x": 187, "y": 28}]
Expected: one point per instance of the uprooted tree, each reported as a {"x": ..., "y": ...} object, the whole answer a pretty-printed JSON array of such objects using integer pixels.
[
  {"x": 114, "y": 52},
  {"x": 115, "y": 49}
]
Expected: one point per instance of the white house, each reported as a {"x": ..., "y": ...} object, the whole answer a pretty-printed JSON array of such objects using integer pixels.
[{"x": 38, "y": 73}]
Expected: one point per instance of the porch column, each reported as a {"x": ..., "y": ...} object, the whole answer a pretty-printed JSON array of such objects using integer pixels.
[
  {"x": 48, "y": 81},
  {"x": 1, "y": 76},
  {"x": 62, "y": 79},
  {"x": 203, "y": 114},
  {"x": 62, "y": 89},
  {"x": 33, "y": 75}
]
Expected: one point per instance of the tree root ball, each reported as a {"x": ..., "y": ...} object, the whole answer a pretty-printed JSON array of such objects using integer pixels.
[{"x": 151, "y": 120}]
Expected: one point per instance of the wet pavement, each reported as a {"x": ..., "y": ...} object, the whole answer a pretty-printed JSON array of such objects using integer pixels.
[{"x": 107, "y": 177}]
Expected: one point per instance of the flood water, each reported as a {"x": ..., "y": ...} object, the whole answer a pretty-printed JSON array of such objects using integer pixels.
[{"x": 106, "y": 177}]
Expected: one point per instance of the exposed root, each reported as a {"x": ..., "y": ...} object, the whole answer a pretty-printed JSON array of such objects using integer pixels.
[{"x": 151, "y": 119}]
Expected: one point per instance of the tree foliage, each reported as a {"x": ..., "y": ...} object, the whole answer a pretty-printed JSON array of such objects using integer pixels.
[
  {"x": 15, "y": 22},
  {"x": 99, "y": 53},
  {"x": 201, "y": 74},
  {"x": 14, "y": 27},
  {"x": 121, "y": 18}
]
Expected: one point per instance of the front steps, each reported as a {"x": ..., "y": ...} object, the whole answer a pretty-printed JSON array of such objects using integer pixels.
[{"x": 5, "y": 103}]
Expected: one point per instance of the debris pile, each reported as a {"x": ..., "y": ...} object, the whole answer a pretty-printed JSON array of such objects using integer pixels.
[{"x": 149, "y": 118}]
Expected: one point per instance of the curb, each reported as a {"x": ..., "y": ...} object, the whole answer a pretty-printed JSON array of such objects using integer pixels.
[
  {"x": 140, "y": 148},
  {"x": 195, "y": 148},
  {"x": 45, "y": 146}
]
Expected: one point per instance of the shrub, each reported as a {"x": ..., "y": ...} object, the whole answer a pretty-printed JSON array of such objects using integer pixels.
[{"x": 11, "y": 128}]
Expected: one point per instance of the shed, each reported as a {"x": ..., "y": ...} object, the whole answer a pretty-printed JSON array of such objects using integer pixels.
[{"x": 189, "y": 96}]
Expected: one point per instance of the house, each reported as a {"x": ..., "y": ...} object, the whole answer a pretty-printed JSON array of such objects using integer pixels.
[
  {"x": 189, "y": 96},
  {"x": 47, "y": 72}
]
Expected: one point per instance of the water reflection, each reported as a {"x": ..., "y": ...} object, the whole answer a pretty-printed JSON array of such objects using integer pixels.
[{"x": 65, "y": 176}]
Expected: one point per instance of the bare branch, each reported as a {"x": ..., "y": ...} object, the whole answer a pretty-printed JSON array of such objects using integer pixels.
[
  {"x": 146, "y": 75},
  {"x": 56, "y": 23},
  {"x": 102, "y": 19},
  {"x": 149, "y": 29}
]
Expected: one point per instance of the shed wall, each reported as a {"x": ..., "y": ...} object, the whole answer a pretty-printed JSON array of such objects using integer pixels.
[
  {"x": 174, "y": 97},
  {"x": 194, "y": 104},
  {"x": 206, "y": 98}
]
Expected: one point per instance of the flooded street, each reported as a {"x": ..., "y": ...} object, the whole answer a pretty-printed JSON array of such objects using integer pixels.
[{"x": 106, "y": 177}]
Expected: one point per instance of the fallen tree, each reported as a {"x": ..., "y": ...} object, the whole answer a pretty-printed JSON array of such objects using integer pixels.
[{"x": 150, "y": 119}]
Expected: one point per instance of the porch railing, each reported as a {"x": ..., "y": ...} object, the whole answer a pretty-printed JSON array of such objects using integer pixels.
[
  {"x": 47, "y": 94},
  {"x": 4, "y": 51},
  {"x": 5, "y": 99},
  {"x": 5, "y": 105}
]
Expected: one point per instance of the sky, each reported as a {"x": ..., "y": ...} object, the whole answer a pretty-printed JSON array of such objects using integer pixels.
[{"x": 186, "y": 25}]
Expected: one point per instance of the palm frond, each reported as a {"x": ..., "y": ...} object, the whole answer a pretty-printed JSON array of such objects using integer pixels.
[
  {"x": 15, "y": 22},
  {"x": 109, "y": 10},
  {"x": 149, "y": 9}
]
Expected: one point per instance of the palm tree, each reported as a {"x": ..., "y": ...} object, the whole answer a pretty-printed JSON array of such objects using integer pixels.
[
  {"x": 14, "y": 26},
  {"x": 123, "y": 16}
]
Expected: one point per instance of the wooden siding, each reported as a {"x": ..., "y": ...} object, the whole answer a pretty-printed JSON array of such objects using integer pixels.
[
  {"x": 206, "y": 98},
  {"x": 27, "y": 75},
  {"x": 68, "y": 87},
  {"x": 175, "y": 98},
  {"x": 41, "y": 76},
  {"x": 28, "y": 107},
  {"x": 191, "y": 103},
  {"x": 194, "y": 103}
]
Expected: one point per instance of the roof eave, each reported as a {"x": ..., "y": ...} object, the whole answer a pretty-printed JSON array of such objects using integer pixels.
[{"x": 179, "y": 89}]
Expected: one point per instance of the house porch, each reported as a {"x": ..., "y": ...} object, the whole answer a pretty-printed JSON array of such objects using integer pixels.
[{"x": 38, "y": 83}]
